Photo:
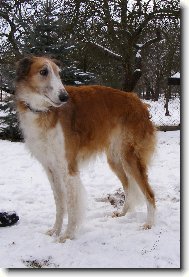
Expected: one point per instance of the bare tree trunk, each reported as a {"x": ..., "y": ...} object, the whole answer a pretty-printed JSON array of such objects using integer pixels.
[
  {"x": 131, "y": 79},
  {"x": 167, "y": 96},
  {"x": 1, "y": 92}
]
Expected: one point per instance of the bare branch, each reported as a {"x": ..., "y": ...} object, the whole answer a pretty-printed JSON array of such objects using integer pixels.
[
  {"x": 10, "y": 35},
  {"x": 123, "y": 6},
  {"x": 108, "y": 20},
  {"x": 153, "y": 40},
  {"x": 150, "y": 16},
  {"x": 103, "y": 50}
]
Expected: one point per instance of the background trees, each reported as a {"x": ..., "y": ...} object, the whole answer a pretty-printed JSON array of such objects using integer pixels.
[
  {"x": 131, "y": 45},
  {"x": 126, "y": 44}
]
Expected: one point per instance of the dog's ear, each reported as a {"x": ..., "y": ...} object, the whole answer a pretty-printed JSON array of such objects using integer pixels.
[
  {"x": 57, "y": 62},
  {"x": 22, "y": 68}
]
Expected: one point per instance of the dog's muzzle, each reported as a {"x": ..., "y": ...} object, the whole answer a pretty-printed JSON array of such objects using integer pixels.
[{"x": 63, "y": 96}]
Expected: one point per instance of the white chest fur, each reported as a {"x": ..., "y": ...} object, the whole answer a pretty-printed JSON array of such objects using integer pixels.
[{"x": 45, "y": 145}]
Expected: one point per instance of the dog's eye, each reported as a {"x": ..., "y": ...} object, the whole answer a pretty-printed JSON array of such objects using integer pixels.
[{"x": 44, "y": 72}]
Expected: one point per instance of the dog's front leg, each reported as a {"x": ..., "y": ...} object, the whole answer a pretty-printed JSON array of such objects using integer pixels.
[
  {"x": 75, "y": 206},
  {"x": 59, "y": 201}
]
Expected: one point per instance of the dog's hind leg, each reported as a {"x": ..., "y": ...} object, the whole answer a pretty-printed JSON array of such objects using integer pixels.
[
  {"x": 59, "y": 201},
  {"x": 116, "y": 166},
  {"x": 136, "y": 167},
  {"x": 75, "y": 205}
]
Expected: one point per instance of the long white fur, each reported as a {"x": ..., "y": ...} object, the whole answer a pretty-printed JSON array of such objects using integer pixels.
[
  {"x": 68, "y": 191},
  {"x": 49, "y": 149}
]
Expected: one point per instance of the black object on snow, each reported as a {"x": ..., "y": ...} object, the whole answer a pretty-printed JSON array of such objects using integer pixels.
[{"x": 8, "y": 218}]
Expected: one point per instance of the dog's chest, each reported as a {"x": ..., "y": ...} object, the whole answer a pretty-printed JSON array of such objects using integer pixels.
[{"x": 47, "y": 145}]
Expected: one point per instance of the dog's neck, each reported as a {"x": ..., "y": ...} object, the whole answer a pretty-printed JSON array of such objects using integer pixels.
[
  {"x": 36, "y": 111},
  {"x": 24, "y": 106}
]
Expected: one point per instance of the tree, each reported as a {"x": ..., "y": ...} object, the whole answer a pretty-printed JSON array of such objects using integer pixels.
[
  {"x": 49, "y": 36},
  {"x": 9, "y": 128},
  {"x": 34, "y": 28},
  {"x": 161, "y": 61},
  {"x": 117, "y": 31},
  {"x": 109, "y": 38}
]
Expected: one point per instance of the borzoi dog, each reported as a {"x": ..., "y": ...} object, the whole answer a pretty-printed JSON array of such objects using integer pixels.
[{"x": 64, "y": 126}]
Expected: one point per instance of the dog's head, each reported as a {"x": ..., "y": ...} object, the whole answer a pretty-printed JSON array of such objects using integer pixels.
[{"x": 38, "y": 83}]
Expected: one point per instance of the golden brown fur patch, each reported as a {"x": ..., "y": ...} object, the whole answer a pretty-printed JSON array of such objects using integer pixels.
[{"x": 92, "y": 115}]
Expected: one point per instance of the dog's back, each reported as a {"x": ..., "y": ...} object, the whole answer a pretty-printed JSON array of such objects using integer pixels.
[{"x": 95, "y": 115}]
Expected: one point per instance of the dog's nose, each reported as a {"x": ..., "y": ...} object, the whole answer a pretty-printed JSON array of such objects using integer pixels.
[{"x": 63, "y": 96}]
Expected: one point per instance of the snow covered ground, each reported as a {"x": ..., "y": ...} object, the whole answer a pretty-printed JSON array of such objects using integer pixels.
[
  {"x": 157, "y": 111},
  {"x": 103, "y": 241}
]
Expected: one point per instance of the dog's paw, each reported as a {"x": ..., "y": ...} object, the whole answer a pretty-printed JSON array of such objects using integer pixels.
[
  {"x": 64, "y": 238},
  {"x": 146, "y": 226},
  {"x": 117, "y": 214},
  {"x": 52, "y": 232}
]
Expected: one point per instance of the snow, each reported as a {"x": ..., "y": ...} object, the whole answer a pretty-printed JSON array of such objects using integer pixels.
[
  {"x": 140, "y": 45},
  {"x": 176, "y": 75},
  {"x": 78, "y": 83},
  {"x": 138, "y": 55},
  {"x": 107, "y": 50},
  {"x": 157, "y": 111},
  {"x": 103, "y": 241},
  {"x": 2, "y": 113},
  {"x": 70, "y": 47}
]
